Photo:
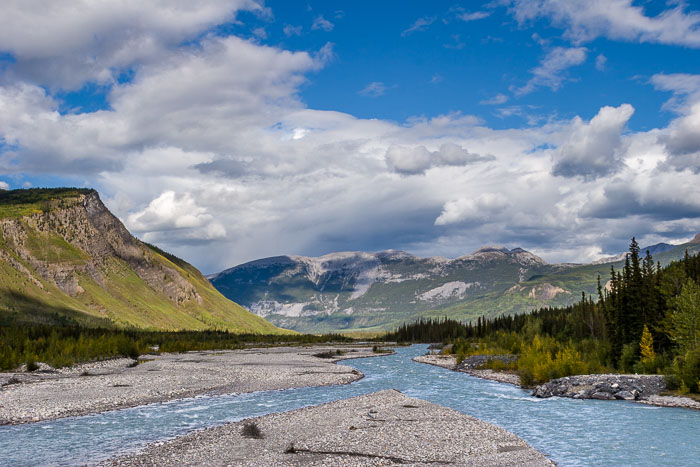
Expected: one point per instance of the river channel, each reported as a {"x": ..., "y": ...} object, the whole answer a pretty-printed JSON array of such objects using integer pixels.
[{"x": 570, "y": 432}]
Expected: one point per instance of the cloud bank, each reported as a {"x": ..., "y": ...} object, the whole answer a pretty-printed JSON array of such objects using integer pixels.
[{"x": 208, "y": 150}]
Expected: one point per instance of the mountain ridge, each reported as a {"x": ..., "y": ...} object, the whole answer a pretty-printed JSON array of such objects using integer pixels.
[
  {"x": 376, "y": 291},
  {"x": 62, "y": 250}
]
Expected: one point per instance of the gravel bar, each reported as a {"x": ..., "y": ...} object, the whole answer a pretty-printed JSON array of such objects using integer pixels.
[
  {"x": 102, "y": 386},
  {"x": 382, "y": 428},
  {"x": 450, "y": 362}
]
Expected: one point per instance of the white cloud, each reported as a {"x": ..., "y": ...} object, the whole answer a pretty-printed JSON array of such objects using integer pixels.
[
  {"x": 593, "y": 149},
  {"x": 479, "y": 209},
  {"x": 62, "y": 43},
  {"x": 421, "y": 24},
  {"x": 169, "y": 211},
  {"x": 600, "y": 62},
  {"x": 260, "y": 33},
  {"x": 682, "y": 137},
  {"x": 614, "y": 19},
  {"x": 4, "y": 185},
  {"x": 290, "y": 30},
  {"x": 322, "y": 23},
  {"x": 498, "y": 99},
  {"x": 474, "y": 15},
  {"x": 210, "y": 153},
  {"x": 549, "y": 73},
  {"x": 437, "y": 78},
  {"x": 416, "y": 160},
  {"x": 374, "y": 89}
]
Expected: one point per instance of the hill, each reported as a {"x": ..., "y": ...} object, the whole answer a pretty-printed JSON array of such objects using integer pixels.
[
  {"x": 65, "y": 259},
  {"x": 355, "y": 291}
]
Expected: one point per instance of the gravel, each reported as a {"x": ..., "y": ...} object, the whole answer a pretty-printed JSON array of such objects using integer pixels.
[
  {"x": 450, "y": 362},
  {"x": 383, "y": 428},
  {"x": 101, "y": 386}
]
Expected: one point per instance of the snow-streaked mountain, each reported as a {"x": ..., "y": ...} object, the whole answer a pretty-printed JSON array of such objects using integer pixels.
[
  {"x": 653, "y": 250},
  {"x": 373, "y": 291},
  {"x": 353, "y": 290}
]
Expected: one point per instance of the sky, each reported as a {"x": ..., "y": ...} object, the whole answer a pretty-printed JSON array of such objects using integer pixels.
[{"x": 230, "y": 130}]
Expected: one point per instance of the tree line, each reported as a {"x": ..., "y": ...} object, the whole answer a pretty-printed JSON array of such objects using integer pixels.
[
  {"x": 645, "y": 319},
  {"x": 61, "y": 346}
]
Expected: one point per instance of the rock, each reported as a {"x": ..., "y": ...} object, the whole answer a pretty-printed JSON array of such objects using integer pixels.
[
  {"x": 603, "y": 387},
  {"x": 625, "y": 395},
  {"x": 602, "y": 396}
]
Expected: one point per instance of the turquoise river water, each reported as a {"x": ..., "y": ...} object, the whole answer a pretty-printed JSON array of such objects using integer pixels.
[{"x": 570, "y": 432}]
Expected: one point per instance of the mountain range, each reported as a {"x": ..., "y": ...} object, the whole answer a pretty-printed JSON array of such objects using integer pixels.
[
  {"x": 65, "y": 259},
  {"x": 356, "y": 291}
]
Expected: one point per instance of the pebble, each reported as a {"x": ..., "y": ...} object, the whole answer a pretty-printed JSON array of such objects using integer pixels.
[
  {"x": 114, "y": 384},
  {"x": 382, "y": 428}
]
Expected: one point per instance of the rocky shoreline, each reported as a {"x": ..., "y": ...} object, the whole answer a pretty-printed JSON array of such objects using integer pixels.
[
  {"x": 645, "y": 389},
  {"x": 382, "y": 428},
  {"x": 603, "y": 387},
  {"x": 116, "y": 384},
  {"x": 450, "y": 362}
]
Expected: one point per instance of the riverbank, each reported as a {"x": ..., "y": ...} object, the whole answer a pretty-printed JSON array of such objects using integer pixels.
[
  {"x": 450, "y": 362},
  {"x": 382, "y": 428},
  {"x": 645, "y": 389},
  {"x": 109, "y": 385}
]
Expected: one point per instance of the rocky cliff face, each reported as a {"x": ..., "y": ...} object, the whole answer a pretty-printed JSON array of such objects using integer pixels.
[
  {"x": 97, "y": 236},
  {"x": 71, "y": 244}
]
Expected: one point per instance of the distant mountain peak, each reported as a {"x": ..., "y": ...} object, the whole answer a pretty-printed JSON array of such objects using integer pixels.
[
  {"x": 497, "y": 252},
  {"x": 696, "y": 239}
]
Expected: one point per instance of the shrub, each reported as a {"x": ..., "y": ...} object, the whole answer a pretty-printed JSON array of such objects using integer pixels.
[
  {"x": 629, "y": 357},
  {"x": 31, "y": 364},
  {"x": 251, "y": 430},
  {"x": 686, "y": 370}
]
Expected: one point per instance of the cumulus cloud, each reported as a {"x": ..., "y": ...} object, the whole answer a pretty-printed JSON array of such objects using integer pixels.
[
  {"x": 4, "y": 185},
  {"x": 550, "y": 72},
  {"x": 171, "y": 211},
  {"x": 416, "y": 160},
  {"x": 593, "y": 149},
  {"x": 64, "y": 43},
  {"x": 480, "y": 209},
  {"x": 208, "y": 151},
  {"x": 682, "y": 137},
  {"x": 614, "y": 19}
]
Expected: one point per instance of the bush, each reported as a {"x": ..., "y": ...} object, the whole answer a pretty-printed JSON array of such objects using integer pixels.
[
  {"x": 251, "y": 430},
  {"x": 31, "y": 364},
  {"x": 546, "y": 359},
  {"x": 685, "y": 372},
  {"x": 629, "y": 357}
]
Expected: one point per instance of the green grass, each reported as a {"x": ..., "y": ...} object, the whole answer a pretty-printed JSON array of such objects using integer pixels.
[
  {"x": 27, "y": 202},
  {"x": 53, "y": 248}
]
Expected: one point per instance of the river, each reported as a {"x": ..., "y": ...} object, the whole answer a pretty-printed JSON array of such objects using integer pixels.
[{"x": 570, "y": 432}]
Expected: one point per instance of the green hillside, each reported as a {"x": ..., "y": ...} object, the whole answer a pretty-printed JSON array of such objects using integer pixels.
[
  {"x": 570, "y": 282},
  {"x": 65, "y": 259}
]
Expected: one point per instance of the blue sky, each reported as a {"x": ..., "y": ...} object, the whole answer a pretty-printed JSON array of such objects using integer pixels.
[{"x": 230, "y": 130}]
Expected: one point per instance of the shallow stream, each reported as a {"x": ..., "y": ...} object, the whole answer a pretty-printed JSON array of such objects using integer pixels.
[{"x": 570, "y": 432}]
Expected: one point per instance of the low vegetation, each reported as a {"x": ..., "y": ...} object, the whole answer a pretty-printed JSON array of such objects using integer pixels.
[
  {"x": 251, "y": 430},
  {"x": 61, "y": 346},
  {"x": 646, "y": 320}
]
